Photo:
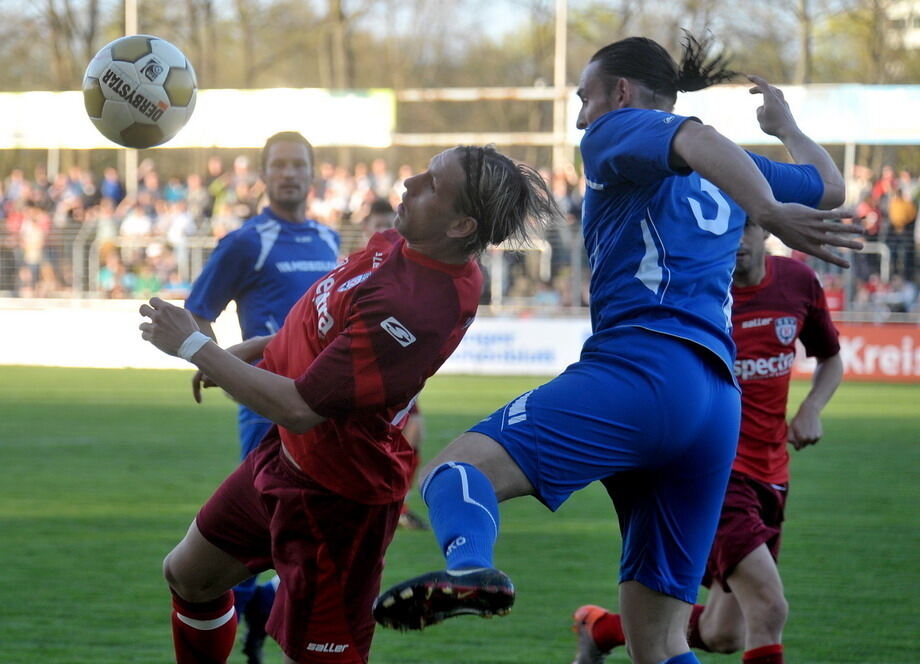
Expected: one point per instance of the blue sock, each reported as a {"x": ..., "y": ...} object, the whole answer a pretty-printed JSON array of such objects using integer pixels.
[
  {"x": 464, "y": 514},
  {"x": 686, "y": 658},
  {"x": 242, "y": 593}
]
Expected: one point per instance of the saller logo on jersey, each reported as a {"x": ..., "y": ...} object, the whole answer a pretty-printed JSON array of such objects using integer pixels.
[
  {"x": 398, "y": 331},
  {"x": 327, "y": 647}
]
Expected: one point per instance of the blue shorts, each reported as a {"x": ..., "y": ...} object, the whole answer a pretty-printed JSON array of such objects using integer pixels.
[
  {"x": 253, "y": 428},
  {"x": 654, "y": 416}
]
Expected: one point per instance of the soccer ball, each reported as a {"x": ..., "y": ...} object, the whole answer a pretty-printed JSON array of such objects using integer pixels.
[{"x": 139, "y": 91}]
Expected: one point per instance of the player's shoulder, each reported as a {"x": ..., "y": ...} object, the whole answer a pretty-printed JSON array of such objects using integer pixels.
[
  {"x": 320, "y": 227},
  {"x": 252, "y": 228}
]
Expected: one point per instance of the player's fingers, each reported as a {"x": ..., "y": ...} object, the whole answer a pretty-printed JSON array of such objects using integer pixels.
[
  {"x": 830, "y": 257},
  {"x": 837, "y": 213},
  {"x": 157, "y": 303},
  {"x": 196, "y": 386},
  {"x": 145, "y": 310},
  {"x": 843, "y": 242},
  {"x": 761, "y": 86}
]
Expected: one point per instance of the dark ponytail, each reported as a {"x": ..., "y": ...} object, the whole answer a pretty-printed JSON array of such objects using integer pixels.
[
  {"x": 647, "y": 62},
  {"x": 697, "y": 70}
]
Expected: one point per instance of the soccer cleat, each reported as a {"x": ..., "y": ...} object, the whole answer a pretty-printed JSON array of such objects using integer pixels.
[
  {"x": 411, "y": 521},
  {"x": 582, "y": 624},
  {"x": 432, "y": 598}
]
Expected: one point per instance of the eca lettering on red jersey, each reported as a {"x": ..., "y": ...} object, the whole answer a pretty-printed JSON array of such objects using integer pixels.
[{"x": 360, "y": 345}]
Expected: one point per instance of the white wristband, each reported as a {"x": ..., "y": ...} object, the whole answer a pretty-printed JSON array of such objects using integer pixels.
[{"x": 192, "y": 345}]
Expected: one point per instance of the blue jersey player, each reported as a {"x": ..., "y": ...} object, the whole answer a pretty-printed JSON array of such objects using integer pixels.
[
  {"x": 652, "y": 404},
  {"x": 265, "y": 266}
]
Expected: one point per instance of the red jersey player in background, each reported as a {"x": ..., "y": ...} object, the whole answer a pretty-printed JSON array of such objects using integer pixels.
[
  {"x": 776, "y": 301},
  {"x": 319, "y": 499}
]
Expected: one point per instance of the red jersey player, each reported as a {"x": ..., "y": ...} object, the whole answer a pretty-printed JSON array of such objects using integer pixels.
[
  {"x": 319, "y": 499},
  {"x": 776, "y": 301}
]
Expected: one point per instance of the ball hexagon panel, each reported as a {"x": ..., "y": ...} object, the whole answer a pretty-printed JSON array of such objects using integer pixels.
[
  {"x": 96, "y": 66},
  {"x": 116, "y": 116},
  {"x": 141, "y": 135},
  {"x": 180, "y": 86},
  {"x": 93, "y": 97},
  {"x": 167, "y": 53},
  {"x": 131, "y": 49}
]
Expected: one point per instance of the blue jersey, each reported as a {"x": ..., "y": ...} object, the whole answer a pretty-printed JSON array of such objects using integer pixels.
[
  {"x": 266, "y": 266},
  {"x": 662, "y": 242}
]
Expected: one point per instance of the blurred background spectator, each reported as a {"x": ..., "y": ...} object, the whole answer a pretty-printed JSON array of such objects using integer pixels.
[{"x": 79, "y": 233}]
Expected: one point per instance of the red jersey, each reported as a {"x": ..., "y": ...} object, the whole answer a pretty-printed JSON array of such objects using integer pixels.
[
  {"x": 360, "y": 345},
  {"x": 766, "y": 320}
]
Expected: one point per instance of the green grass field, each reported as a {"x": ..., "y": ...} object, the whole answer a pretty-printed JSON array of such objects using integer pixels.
[{"x": 103, "y": 470}]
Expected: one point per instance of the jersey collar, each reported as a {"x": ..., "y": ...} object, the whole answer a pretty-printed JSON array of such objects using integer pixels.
[
  {"x": 455, "y": 269},
  {"x": 307, "y": 223}
]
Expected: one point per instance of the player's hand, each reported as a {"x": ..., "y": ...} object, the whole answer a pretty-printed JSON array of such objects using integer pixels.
[
  {"x": 812, "y": 231},
  {"x": 805, "y": 429},
  {"x": 199, "y": 381},
  {"x": 774, "y": 115},
  {"x": 169, "y": 325}
]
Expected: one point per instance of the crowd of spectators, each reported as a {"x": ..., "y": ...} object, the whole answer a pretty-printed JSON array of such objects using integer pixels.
[{"x": 154, "y": 241}]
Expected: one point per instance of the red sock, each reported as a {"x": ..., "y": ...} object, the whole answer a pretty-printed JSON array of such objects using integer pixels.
[
  {"x": 607, "y": 632},
  {"x": 693, "y": 631},
  {"x": 764, "y": 655},
  {"x": 210, "y": 636}
]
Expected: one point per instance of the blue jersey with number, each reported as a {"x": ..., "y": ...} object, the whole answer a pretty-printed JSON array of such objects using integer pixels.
[
  {"x": 662, "y": 242},
  {"x": 266, "y": 266}
]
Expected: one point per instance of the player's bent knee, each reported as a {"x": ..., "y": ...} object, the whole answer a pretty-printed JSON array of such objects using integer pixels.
[
  {"x": 183, "y": 584},
  {"x": 774, "y": 612}
]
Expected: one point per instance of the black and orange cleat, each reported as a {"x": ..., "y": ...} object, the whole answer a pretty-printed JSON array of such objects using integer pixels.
[
  {"x": 434, "y": 597},
  {"x": 583, "y": 621}
]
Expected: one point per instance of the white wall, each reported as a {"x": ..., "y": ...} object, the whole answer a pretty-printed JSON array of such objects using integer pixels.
[{"x": 104, "y": 334}]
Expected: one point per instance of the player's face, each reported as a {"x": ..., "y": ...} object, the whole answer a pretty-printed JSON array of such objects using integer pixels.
[
  {"x": 596, "y": 98},
  {"x": 751, "y": 251},
  {"x": 429, "y": 204},
  {"x": 288, "y": 174}
]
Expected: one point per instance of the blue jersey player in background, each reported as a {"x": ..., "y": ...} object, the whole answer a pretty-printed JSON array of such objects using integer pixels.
[
  {"x": 265, "y": 266},
  {"x": 652, "y": 407}
]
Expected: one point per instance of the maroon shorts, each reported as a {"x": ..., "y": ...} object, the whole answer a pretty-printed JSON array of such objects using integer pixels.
[
  {"x": 752, "y": 514},
  {"x": 327, "y": 550}
]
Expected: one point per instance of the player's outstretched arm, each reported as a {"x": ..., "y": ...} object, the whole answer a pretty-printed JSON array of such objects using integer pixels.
[
  {"x": 272, "y": 396},
  {"x": 730, "y": 168},
  {"x": 250, "y": 351},
  {"x": 775, "y": 119},
  {"x": 805, "y": 428}
]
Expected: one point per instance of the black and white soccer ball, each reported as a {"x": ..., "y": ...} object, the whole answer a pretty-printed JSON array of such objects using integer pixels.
[{"x": 139, "y": 91}]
